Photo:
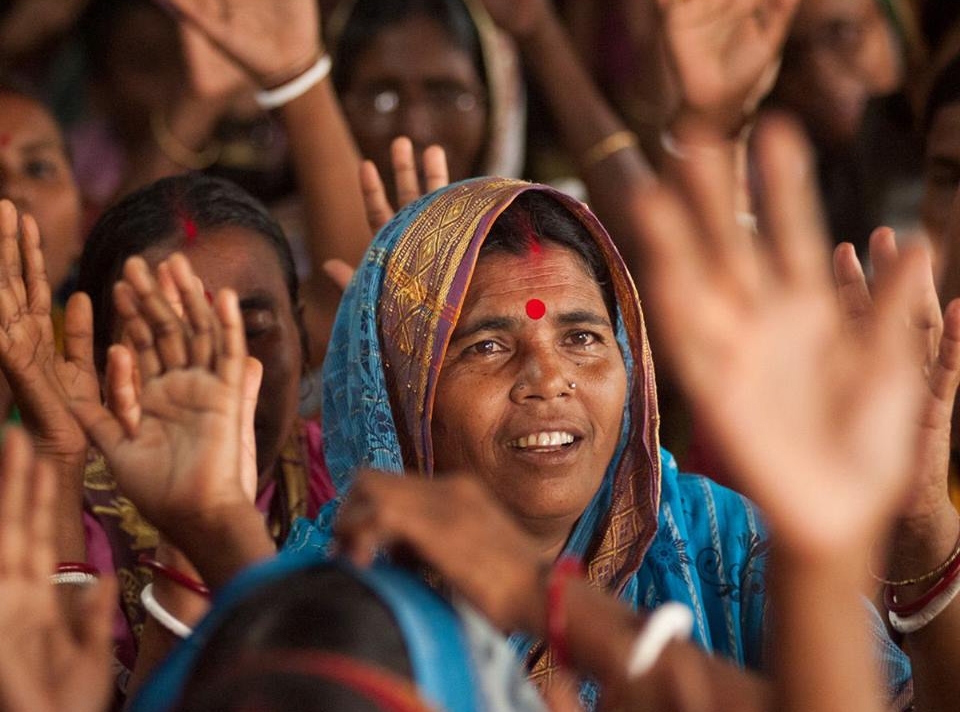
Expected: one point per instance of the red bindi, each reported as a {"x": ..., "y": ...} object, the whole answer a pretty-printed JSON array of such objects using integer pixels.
[
  {"x": 189, "y": 229},
  {"x": 536, "y": 309}
]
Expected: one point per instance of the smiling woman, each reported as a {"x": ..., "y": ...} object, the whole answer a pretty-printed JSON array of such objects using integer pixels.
[{"x": 435, "y": 366}]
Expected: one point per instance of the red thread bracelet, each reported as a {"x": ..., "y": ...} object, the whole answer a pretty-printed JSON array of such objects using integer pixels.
[
  {"x": 178, "y": 577},
  {"x": 77, "y": 567},
  {"x": 560, "y": 575},
  {"x": 908, "y": 609}
]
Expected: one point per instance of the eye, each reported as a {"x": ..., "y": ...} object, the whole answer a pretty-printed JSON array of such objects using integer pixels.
[
  {"x": 41, "y": 169},
  {"x": 487, "y": 347},
  {"x": 583, "y": 339}
]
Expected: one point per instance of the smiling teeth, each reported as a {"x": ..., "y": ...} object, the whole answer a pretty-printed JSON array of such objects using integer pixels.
[{"x": 546, "y": 439}]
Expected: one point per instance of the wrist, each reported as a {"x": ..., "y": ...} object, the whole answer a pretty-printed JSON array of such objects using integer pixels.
[{"x": 292, "y": 70}]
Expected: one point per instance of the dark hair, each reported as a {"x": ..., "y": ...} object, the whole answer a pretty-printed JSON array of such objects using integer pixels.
[
  {"x": 160, "y": 213},
  {"x": 534, "y": 216},
  {"x": 316, "y": 609},
  {"x": 368, "y": 18}
]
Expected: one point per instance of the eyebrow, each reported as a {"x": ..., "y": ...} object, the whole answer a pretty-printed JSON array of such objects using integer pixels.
[
  {"x": 44, "y": 145},
  {"x": 509, "y": 323}
]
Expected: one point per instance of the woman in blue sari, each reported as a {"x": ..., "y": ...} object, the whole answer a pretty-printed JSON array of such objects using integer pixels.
[{"x": 645, "y": 532}]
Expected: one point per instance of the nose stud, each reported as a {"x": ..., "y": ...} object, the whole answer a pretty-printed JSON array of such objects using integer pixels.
[{"x": 573, "y": 386}]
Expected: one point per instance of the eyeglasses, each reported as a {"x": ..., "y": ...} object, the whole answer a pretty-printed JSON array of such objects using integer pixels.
[{"x": 440, "y": 99}]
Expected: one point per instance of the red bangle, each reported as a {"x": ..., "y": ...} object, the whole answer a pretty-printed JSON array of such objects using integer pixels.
[
  {"x": 178, "y": 577},
  {"x": 77, "y": 567},
  {"x": 908, "y": 609},
  {"x": 560, "y": 575}
]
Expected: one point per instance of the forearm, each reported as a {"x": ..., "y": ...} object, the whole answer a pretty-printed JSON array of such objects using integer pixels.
[
  {"x": 611, "y": 171},
  {"x": 70, "y": 537},
  {"x": 934, "y": 650},
  {"x": 327, "y": 166},
  {"x": 823, "y": 656}
]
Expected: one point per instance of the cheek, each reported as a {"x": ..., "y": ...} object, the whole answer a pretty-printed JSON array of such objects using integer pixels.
[{"x": 281, "y": 375}]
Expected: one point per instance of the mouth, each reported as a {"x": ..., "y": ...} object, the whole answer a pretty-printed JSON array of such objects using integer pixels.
[{"x": 544, "y": 441}]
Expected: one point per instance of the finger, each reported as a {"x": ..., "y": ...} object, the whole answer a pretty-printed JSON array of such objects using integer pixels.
[
  {"x": 252, "y": 379},
  {"x": 95, "y": 633},
  {"x": 378, "y": 208},
  {"x": 169, "y": 331},
  {"x": 121, "y": 391},
  {"x": 339, "y": 272},
  {"x": 852, "y": 290},
  {"x": 168, "y": 288},
  {"x": 42, "y": 558},
  {"x": 231, "y": 360},
  {"x": 100, "y": 425},
  {"x": 136, "y": 331},
  {"x": 561, "y": 693},
  {"x": 945, "y": 375},
  {"x": 16, "y": 460},
  {"x": 204, "y": 331},
  {"x": 78, "y": 332},
  {"x": 37, "y": 286},
  {"x": 436, "y": 173},
  {"x": 883, "y": 253},
  {"x": 790, "y": 216},
  {"x": 404, "y": 171},
  {"x": 12, "y": 296},
  {"x": 707, "y": 182}
]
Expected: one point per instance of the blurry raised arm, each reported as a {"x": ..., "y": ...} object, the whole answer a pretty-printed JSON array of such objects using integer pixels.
[{"x": 46, "y": 663}]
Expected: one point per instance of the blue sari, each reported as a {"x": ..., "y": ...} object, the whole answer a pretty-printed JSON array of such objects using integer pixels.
[{"x": 650, "y": 534}]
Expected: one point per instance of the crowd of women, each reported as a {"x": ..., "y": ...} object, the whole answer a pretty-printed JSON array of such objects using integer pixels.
[{"x": 314, "y": 404}]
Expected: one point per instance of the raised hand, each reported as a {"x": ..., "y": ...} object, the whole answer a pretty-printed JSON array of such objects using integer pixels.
[
  {"x": 447, "y": 524},
  {"x": 178, "y": 453},
  {"x": 809, "y": 412},
  {"x": 46, "y": 664},
  {"x": 406, "y": 179},
  {"x": 937, "y": 339},
  {"x": 724, "y": 54},
  {"x": 41, "y": 379},
  {"x": 272, "y": 41}
]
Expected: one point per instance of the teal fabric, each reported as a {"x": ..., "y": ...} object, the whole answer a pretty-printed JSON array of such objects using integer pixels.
[{"x": 437, "y": 644}]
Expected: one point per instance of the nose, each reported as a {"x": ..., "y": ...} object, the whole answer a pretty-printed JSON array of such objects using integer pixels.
[
  {"x": 418, "y": 124},
  {"x": 541, "y": 377}
]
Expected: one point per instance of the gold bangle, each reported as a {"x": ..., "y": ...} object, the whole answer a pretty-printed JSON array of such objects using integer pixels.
[
  {"x": 174, "y": 150},
  {"x": 612, "y": 144},
  {"x": 925, "y": 577}
]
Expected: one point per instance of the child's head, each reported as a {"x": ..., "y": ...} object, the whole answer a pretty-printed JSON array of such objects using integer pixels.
[
  {"x": 35, "y": 173},
  {"x": 231, "y": 241}
]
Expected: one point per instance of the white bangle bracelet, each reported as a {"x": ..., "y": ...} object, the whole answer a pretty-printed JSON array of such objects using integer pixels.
[
  {"x": 296, "y": 87},
  {"x": 162, "y": 615},
  {"x": 671, "y": 621},
  {"x": 913, "y": 623},
  {"x": 73, "y": 578}
]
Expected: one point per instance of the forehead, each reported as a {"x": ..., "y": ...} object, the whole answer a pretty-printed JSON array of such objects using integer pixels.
[
  {"x": 229, "y": 256},
  {"x": 413, "y": 50},
  {"x": 554, "y": 274},
  {"x": 26, "y": 121}
]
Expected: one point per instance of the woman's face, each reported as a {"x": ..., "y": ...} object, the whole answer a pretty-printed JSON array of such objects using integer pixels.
[
  {"x": 532, "y": 406},
  {"x": 35, "y": 174},
  {"x": 243, "y": 260},
  {"x": 412, "y": 80}
]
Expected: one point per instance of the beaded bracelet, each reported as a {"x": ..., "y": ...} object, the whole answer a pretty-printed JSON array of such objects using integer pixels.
[
  {"x": 162, "y": 616},
  {"x": 74, "y": 573},
  {"x": 178, "y": 577},
  {"x": 563, "y": 570}
]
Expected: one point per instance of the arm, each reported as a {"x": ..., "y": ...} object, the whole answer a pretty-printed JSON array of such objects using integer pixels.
[
  {"x": 446, "y": 523},
  {"x": 41, "y": 380},
  {"x": 786, "y": 386},
  {"x": 46, "y": 662}
]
